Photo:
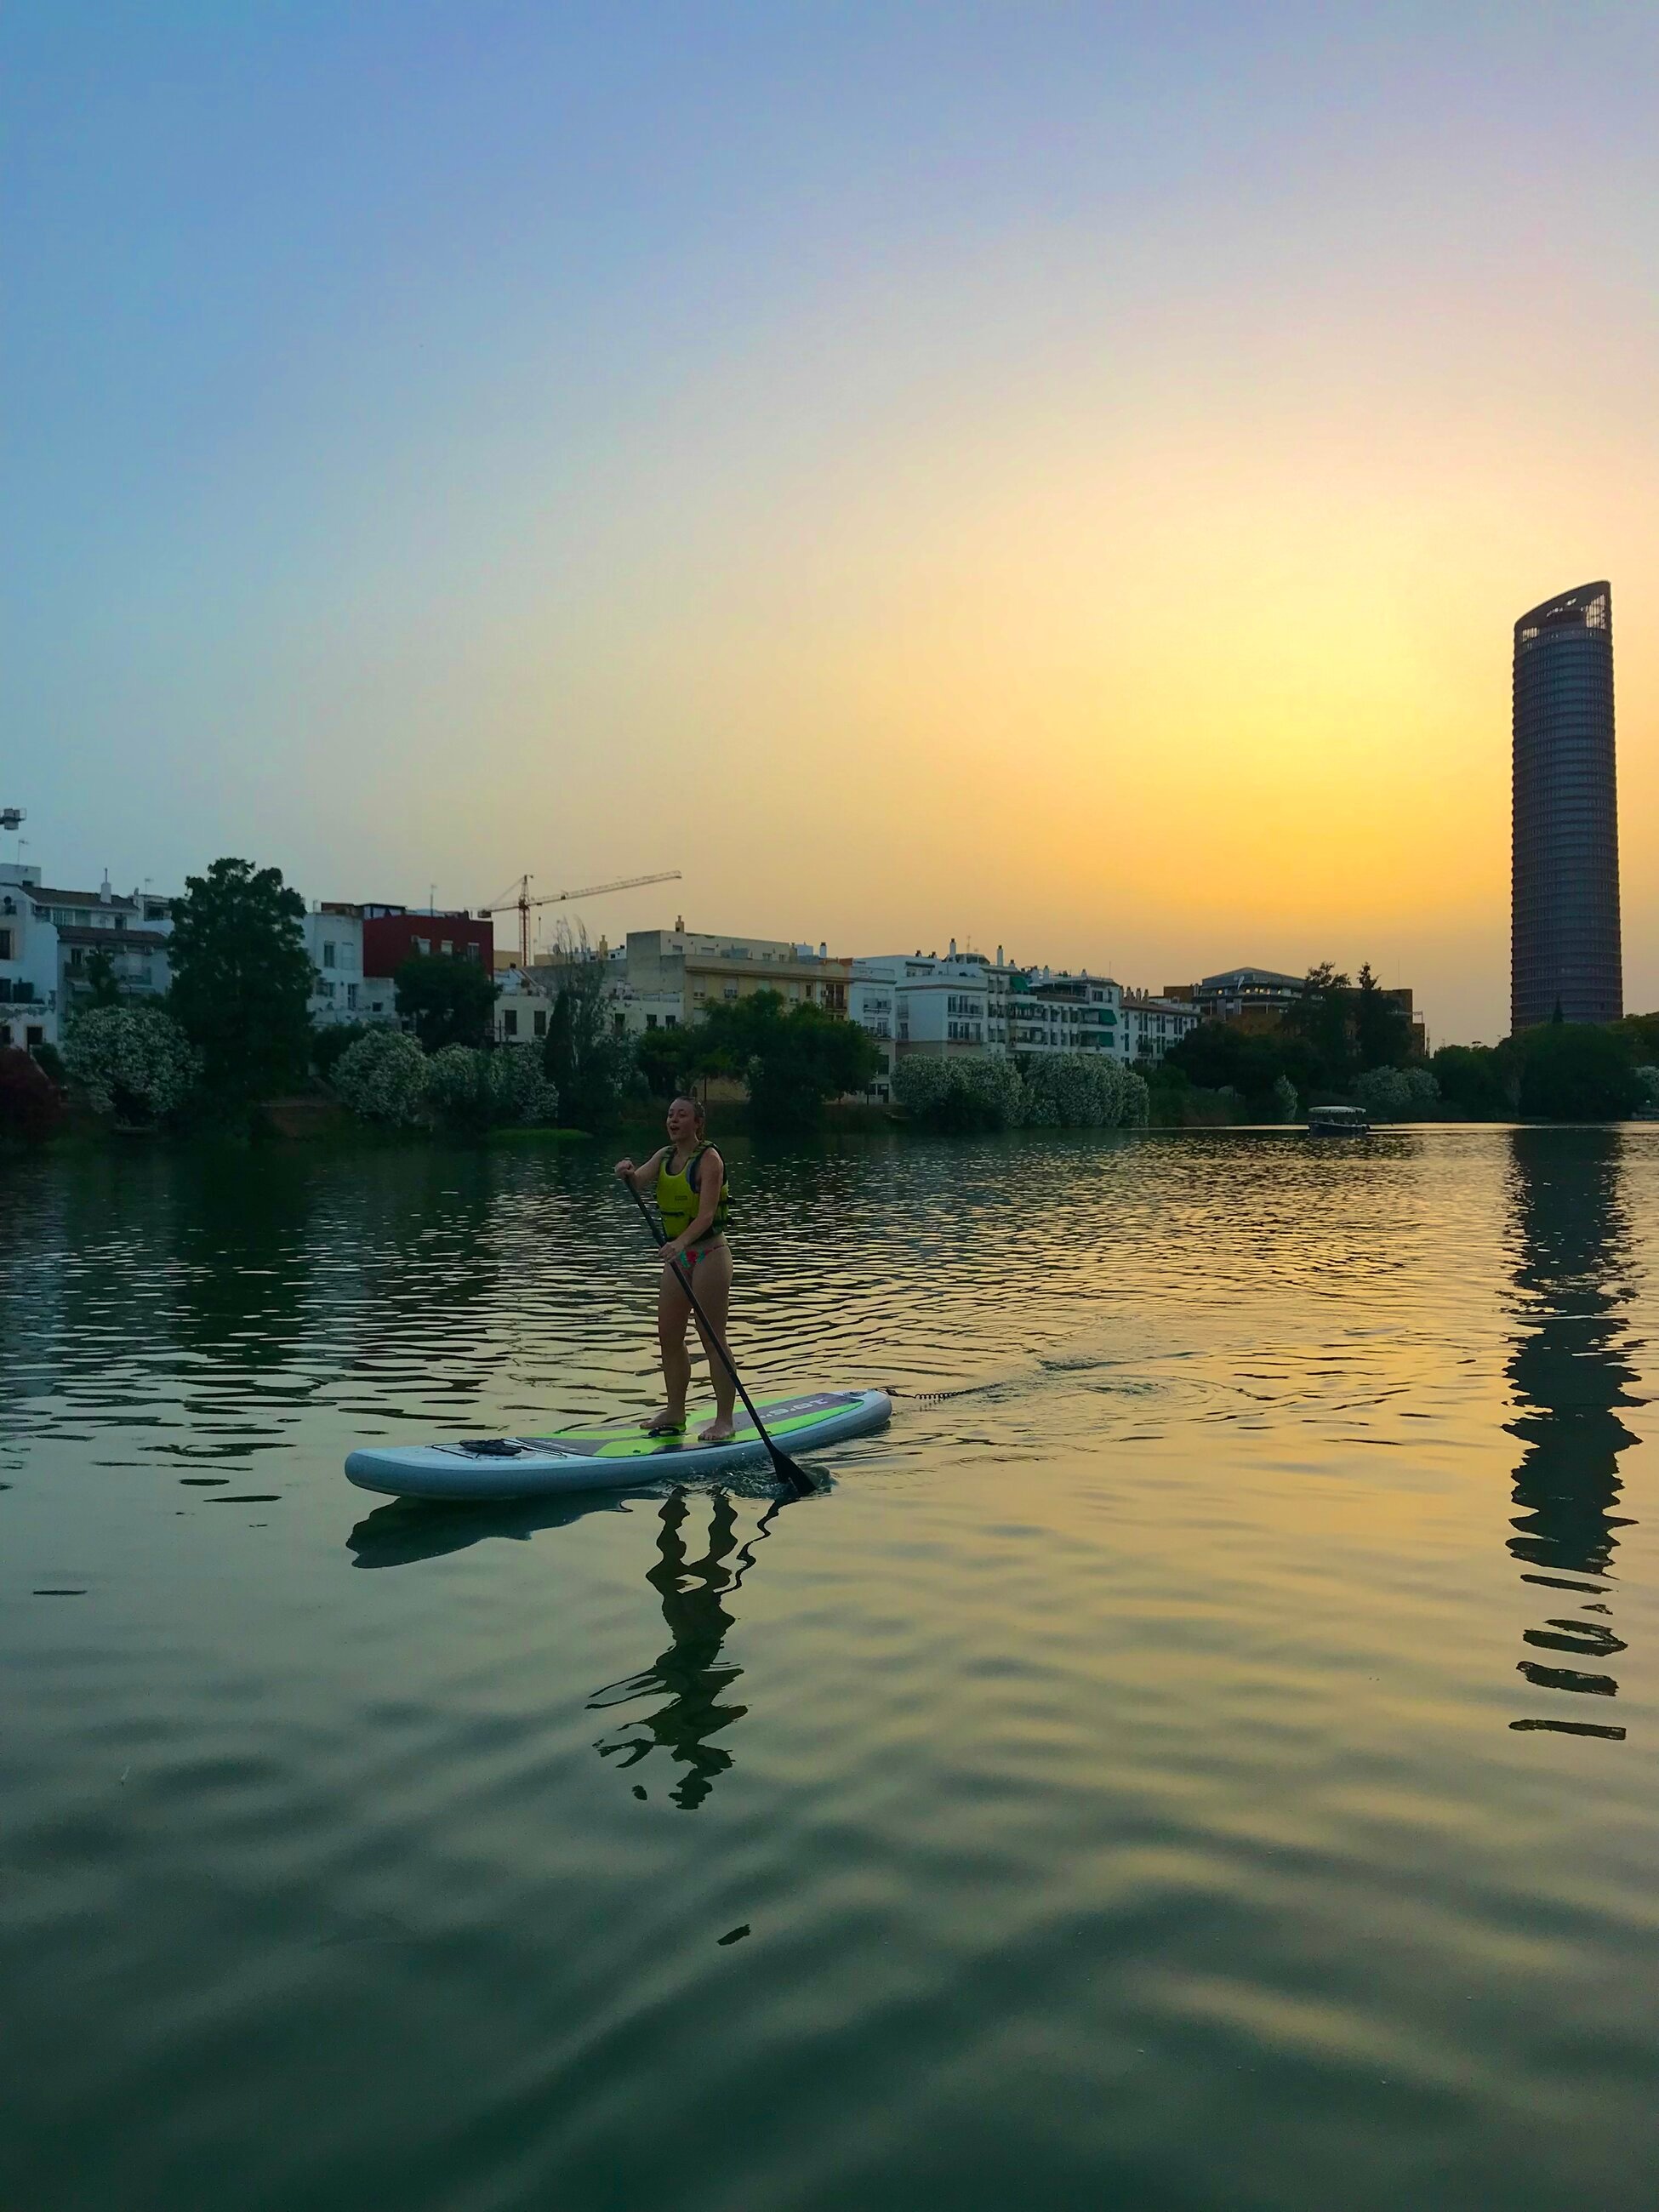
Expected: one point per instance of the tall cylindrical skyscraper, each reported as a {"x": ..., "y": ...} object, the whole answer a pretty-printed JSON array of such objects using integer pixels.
[{"x": 1564, "y": 910}]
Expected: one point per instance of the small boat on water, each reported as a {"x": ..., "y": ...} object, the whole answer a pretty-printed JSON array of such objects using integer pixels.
[{"x": 1338, "y": 1121}]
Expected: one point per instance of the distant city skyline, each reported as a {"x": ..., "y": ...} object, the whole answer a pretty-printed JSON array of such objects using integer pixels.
[{"x": 1066, "y": 476}]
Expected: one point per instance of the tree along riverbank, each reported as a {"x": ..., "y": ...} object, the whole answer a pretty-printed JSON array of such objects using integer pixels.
[{"x": 1343, "y": 1043}]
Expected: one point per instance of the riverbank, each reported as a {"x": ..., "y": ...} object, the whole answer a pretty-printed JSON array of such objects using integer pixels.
[{"x": 316, "y": 1119}]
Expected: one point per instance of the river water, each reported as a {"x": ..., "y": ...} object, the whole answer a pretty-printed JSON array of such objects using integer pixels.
[{"x": 1207, "y": 1762}]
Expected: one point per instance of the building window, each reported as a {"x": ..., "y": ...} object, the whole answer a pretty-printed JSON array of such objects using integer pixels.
[
  {"x": 510, "y": 1021},
  {"x": 651, "y": 1021},
  {"x": 423, "y": 946},
  {"x": 33, "y": 1035},
  {"x": 670, "y": 1021},
  {"x": 5, "y": 944},
  {"x": 473, "y": 951},
  {"x": 5, "y": 1032},
  {"x": 729, "y": 991},
  {"x": 351, "y": 997},
  {"x": 448, "y": 948},
  {"x": 328, "y": 956},
  {"x": 540, "y": 1024}
]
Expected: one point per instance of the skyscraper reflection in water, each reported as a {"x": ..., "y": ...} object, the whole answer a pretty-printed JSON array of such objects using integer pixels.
[{"x": 1571, "y": 1375}]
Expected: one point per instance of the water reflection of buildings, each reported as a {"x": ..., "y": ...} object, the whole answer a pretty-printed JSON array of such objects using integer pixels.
[
  {"x": 1571, "y": 1375},
  {"x": 688, "y": 1674}
]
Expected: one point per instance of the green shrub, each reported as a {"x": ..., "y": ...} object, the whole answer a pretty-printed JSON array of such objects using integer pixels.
[
  {"x": 1577, "y": 1071},
  {"x": 1476, "y": 1080},
  {"x": 330, "y": 1041},
  {"x": 589, "y": 1065}
]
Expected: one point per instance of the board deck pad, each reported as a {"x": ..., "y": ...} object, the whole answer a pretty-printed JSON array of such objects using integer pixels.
[
  {"x": 608, "y": 1440},
  {"x": 610, "y": 1455}
]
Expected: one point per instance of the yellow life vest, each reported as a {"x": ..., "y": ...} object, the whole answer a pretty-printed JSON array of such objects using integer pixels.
[{"x": 677, "y": 1196}]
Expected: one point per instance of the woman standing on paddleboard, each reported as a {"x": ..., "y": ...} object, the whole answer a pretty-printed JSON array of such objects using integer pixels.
[{"x": 687, "y": 1177}]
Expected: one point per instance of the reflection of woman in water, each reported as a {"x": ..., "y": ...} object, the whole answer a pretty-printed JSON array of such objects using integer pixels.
[
  {"x": 687, "y": 1672},
  {"x": 687, "y": 1176}
]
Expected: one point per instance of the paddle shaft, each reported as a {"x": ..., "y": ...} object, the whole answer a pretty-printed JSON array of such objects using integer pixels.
[{"x": 786, "y": 1467}]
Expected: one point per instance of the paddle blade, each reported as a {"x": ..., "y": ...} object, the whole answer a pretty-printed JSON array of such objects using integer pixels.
[{"x": 786, "y": 1470}]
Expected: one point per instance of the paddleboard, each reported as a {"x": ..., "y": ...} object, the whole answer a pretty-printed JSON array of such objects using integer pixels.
[{"x": 615, "y": 1455}]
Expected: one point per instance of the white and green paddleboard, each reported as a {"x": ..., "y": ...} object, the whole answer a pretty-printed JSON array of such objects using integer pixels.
[{"x": 615, "y": 1455}]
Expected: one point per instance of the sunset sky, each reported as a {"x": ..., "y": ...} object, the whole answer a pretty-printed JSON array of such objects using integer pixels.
[{"x": 1061, "y": 476}]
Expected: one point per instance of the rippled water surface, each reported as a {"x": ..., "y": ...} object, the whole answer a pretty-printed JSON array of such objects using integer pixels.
[{"x": 1205, "y": 1760}]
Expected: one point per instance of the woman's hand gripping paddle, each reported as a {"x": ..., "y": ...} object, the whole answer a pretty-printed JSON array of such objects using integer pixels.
[{"x": 782, "y": 1465}]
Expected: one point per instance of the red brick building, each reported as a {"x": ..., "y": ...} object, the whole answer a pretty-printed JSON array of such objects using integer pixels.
[{"x": 393, "y": 934}]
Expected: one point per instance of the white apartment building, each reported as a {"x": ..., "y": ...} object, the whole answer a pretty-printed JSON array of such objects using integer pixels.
[
  {"x": 49, "y": 941},
  {"x": 340, "y": 990},
  {"x": 938, "y": 1005},
  {"x": 523, "y": 1007},
  {"x": 1153, "y": 1026},
  {"x": 872, "y": 1002},
  {"x": 963, "y": 1002},
  {"x": 28, "y": 964},
  {"x": 1050, "y": 1010}
]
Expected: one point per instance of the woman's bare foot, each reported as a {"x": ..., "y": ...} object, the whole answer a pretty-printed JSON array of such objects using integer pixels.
[
  {"x": 666, "y": 1424},
  {"x": 718, "y": 1432}
]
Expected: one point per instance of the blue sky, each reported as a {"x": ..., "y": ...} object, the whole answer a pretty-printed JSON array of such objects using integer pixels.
[{"x": 810, "y": 447}]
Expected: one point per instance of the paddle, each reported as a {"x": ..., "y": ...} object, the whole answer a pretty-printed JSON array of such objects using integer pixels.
[{"x": 782, "y": 1465}]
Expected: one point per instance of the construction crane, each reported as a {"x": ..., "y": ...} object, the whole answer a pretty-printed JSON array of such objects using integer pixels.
[{"x": 524, "y": 902}]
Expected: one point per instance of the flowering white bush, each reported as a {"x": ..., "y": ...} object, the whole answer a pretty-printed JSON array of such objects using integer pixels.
[
  {"x": 1397, "y": 1094},
  {"x": 1058, "y": 1091},
  {"x": 1080, "y": 1091},
  {"x": 473, "y": 1090},
  {"x": 1648, "y": 1079},
  {"x": 132, "y": 1061},
  {"x": 522, "y": 1091},
  {"x": 974, "y": 1091},
  {"x": 458, "y": 1085},
  {"x": 382, "y": 1077}
]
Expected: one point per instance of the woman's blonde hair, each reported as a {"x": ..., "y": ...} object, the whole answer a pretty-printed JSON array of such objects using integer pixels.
[{"x": 699, "y": 1112}]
